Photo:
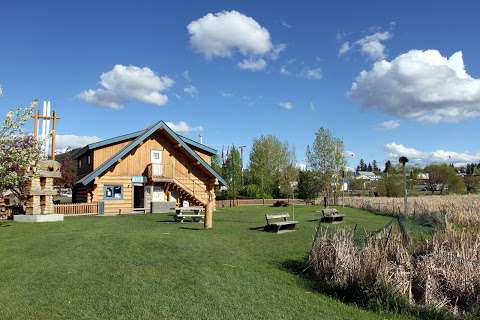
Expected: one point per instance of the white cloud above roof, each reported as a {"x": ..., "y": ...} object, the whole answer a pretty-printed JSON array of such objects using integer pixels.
[
  {"x": 71, "y": 141},
  {"x": 128, "y": 83},
  {"x": 183, "y": 128},
  {"x": 221, "y": 34}
]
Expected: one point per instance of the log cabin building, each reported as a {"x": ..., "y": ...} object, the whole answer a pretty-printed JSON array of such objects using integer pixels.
[{"x": 152, "y": 170}]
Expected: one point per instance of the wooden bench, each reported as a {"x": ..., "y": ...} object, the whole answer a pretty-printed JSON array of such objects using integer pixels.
[
  {"x": 279, "y": 223},
  {"x": 196, "y": 214},
  {"x": 331, "y": 215}
]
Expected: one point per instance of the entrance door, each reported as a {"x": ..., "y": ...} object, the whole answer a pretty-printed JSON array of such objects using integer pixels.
[
  {"x": 138, "y": 197},
  {"x": 156, "y": 160}
]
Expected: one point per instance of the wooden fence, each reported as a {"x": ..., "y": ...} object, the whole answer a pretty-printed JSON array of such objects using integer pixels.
[
  {"x": 256, "y": 202},
  {"x": 77, "y": 209}
]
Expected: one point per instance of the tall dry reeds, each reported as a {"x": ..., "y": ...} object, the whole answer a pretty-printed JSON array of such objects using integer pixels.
[
  {"x": 443, "y": 272},
  {"x": 460, "y": 209}
]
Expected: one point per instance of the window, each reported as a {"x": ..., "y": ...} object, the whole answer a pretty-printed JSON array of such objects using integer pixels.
[
  {"x": 89, "y": 159},
  {"x": 79, "y": 163},
  {"x": 113, "y": 192}
]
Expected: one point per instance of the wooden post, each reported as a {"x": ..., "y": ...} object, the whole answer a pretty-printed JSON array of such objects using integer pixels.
[
  {"x": 208, "y": 221},
  {"x": 54, "y": 134},
  {"x": 35, "y": 119}
]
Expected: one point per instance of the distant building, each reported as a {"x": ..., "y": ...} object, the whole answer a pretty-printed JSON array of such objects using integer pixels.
[
  {"x": 422, "y": 176},
  {"x": 367, "y": 175}
]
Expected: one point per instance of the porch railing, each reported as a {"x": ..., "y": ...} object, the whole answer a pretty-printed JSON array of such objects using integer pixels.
[{"x": 77, "y": 209}]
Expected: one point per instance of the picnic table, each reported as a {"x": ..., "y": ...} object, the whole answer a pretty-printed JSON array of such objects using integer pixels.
[
  {"x": 331, "y": 215},
  {"x": 196, "y": 214},
  {"x": 279, "y": 223}
]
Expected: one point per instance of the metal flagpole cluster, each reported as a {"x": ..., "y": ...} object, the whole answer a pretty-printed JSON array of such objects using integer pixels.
[{"x": 45, "y": 135}]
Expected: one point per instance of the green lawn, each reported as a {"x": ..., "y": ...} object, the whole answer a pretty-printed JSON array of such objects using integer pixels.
[{"x": 147, "y": 267}]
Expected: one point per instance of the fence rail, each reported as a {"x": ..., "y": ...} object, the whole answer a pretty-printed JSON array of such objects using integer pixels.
[
  {"x": 77, "y": 209},
  {"x": 256, "y": 202}
]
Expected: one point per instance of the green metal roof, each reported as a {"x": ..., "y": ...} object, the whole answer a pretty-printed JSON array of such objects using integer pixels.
[
  {"x": 133, "y": 135},
  {"x": 144, "y": 134}
]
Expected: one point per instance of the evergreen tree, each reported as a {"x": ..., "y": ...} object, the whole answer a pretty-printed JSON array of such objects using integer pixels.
[
  {"x": 369, "y": 168},
  {"x": 362, "y": 165},
  {"x": 388, "y": 167},
  {"x": 375, "y": 166}
]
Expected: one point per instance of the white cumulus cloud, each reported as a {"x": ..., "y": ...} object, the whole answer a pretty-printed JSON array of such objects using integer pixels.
[
  {"x": 191, "y": 90},
  {"x": 286, "y": 105},
  {"x": 71, "y": 141},
  {"x": 128, "y": 83},
  {"x": 221, "y": 34},
  {"x": 311, "y": 73},
  {"x": 388, "y": 125},
  {"x": 183, "y": 128},
  {"x": 279, "y": 48},
  {"x": 421, "y": 85},
  {"x": 372, "y": 45},
  {"x": 344, "y": 48},
  {"x": 252, "y": 65},
  {"x": 396, "y": 150}
]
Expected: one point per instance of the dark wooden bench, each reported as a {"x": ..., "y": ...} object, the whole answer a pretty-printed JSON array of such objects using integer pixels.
[
  {"x": 279, "y": 223},
  {"x": 197, "y": 214},
  {"x": 331, "y": 215}
]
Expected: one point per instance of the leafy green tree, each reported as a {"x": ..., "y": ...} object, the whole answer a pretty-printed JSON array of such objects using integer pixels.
[
  {"x": 18, "y": 152},
  {"x": 472, "y": 183},
  {"x": 390, "y": 186},
  {"x": 456, "y": 184},
  {"x": 271, "y": 166},
  {"x": 232, "y": 173},
  {"x": 326, "y": 158},
  {"x": 308, "y": 185},
  {"x": 252, "y": 191},
  {"x": 444, "y": 176},
  {"x": 217, "y": 164}
]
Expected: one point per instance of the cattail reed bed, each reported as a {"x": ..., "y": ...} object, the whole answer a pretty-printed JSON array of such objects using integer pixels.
[
  {"x": 459, "y": 209},
  {"x": 442, "y": 273}
]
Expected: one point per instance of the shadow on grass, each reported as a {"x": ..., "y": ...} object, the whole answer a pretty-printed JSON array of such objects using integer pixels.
[
  {"x": 262, "y": 228},
  {"x": 190, "y": 228},
  {"x": 378, "y": 299}
]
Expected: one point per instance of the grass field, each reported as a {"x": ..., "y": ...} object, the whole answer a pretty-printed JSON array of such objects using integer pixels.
[{"x": 147, "y": 267}]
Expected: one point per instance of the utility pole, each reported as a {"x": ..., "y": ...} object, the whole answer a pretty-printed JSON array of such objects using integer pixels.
[{"x": 241, "y": 160}]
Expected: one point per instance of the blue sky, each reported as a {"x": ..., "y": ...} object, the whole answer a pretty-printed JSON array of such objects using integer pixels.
[{"x": 418, "y": 103}]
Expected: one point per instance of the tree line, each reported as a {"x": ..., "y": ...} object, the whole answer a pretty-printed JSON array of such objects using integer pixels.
[{"x": 272, "y": 171}]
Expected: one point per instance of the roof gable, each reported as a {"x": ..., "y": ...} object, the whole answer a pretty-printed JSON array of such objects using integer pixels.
[
  {"x": 136, "y": 134},
  {"x": 140, "y": 138}
]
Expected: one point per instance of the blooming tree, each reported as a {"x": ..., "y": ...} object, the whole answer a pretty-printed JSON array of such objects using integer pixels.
[{"x": 18, "y": 152}]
